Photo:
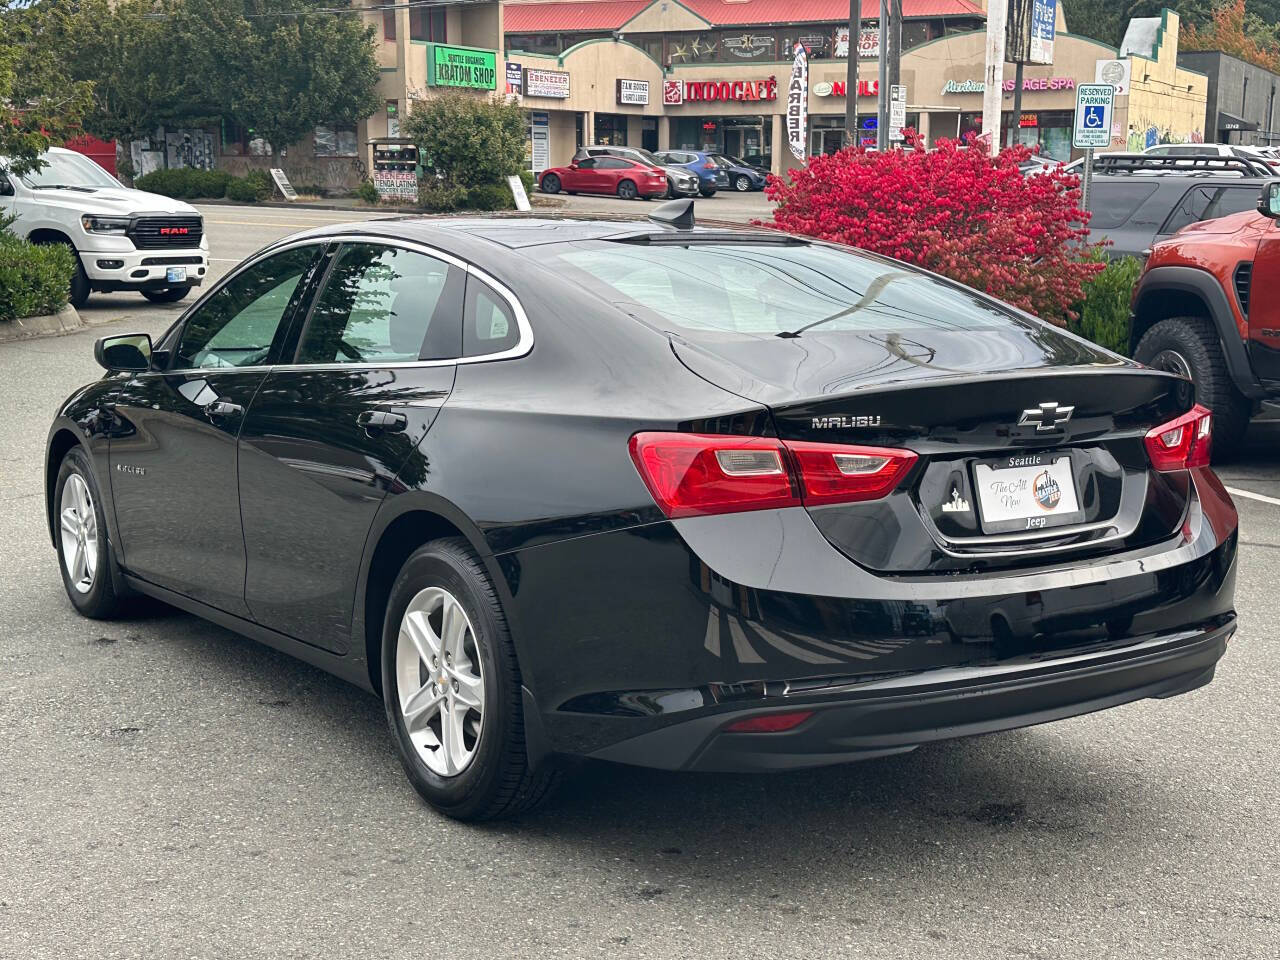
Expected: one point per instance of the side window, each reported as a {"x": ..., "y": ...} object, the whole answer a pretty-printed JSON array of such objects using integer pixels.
[
  {"x": 235, "y": 327},
  {"x": 1229, "y": 200},
  {"x": 612, "y": 163},
  {"x": 1115, "y": 199},
  {"x": 383, "y": 304},
  {"x": 587, "y": 163},
  {"x": 489, "y": 326},
  {"x": 1190, "y": 209}
]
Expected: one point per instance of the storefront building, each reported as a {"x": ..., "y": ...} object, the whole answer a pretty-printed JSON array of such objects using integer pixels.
[
  {"x": 1242, "y": 98},
  {"x": 711, "y": 75}
]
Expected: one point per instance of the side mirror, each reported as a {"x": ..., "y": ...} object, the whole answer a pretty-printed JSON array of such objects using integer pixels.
[
  {"x": 128, "y": 352},
  {"x": 6, "y": 188},
  {"x": 573, "y": 165},
  {"x": 1269, "y": 202}
]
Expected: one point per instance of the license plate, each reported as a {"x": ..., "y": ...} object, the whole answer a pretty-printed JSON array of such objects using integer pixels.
[
  {"x": 175, "y": 275},
  {"x": 1026, "y": 492}
]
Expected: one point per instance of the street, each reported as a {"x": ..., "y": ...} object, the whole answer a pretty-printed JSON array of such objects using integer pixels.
[{"x": 173, "y": 789}]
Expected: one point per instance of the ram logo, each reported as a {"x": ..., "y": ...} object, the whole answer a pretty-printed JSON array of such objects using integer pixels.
[{"x": 174, "y": 231}]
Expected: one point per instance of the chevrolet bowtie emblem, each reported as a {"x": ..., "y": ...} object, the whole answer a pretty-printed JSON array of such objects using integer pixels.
[{"x": 1046, "y": 417}]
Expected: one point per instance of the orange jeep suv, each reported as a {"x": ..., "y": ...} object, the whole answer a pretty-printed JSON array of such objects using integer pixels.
[{"x": 1208, "y": 307}]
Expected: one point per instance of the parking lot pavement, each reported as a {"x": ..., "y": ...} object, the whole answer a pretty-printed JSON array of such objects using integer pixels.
[
  {"x": 170, "y": 789},
  {"x": 726, "y": 205}
]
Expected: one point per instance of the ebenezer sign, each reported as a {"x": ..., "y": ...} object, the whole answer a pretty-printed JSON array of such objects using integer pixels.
[
  {"x": 546, "y": 83},
  {"x": 469, "y": 67}
]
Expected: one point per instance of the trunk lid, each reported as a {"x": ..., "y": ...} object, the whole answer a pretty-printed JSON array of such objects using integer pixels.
[{"x": 1076, "y": 462}]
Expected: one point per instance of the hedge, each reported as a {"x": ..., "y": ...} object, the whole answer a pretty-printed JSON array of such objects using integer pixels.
[
  {"x": 1103, "y": 315},
  {"x": 253, "y": 187},
  {"x": 34, "y": 279},
  {"x": 188, "y": 184}
]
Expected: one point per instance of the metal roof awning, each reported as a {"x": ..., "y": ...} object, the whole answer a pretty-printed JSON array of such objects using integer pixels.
[{"x": 1228, "y": 122}]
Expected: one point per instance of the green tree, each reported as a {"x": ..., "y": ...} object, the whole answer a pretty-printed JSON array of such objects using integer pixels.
[
  {"x": 1107, "y": 20},
  {"x": 40, "y": 106},
  {"x": 138, "y": 54},
  {"x": 281, "y": 67}
]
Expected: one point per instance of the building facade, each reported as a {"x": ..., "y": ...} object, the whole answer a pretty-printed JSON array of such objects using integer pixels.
[
  {"x": 1242, "y": 98},
  {"x": 710, "y": 75}
]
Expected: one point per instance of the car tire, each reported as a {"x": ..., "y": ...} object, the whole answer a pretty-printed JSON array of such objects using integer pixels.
[
  {"x": 1190, "y": 346},
  {"x": 78, "y": 294},
  {"x": 167, "y": 295},
  {"x": 481, "y": 771},
  {"x": 89, "y": 574},
  {"x": 627, "y": 190},
  {"x": 741, "y": 184},
  {"x": 550, "y": 184},
  {"x": 707, "y": 192}
]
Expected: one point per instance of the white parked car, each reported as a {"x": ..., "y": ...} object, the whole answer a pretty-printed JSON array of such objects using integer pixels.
[{"x": 124, "y": 239}]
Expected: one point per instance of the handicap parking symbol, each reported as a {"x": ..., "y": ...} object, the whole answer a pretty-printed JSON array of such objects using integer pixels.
[{"x": 1094, "y": 117}]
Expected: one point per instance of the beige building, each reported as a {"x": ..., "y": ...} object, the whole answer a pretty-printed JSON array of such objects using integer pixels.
[{"x": 711, "y": 75}]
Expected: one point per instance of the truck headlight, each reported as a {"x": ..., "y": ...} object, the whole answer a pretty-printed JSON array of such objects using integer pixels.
[{"x": 96, "y": 224}]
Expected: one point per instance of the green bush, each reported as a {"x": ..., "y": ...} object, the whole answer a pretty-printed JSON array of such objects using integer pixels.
[
  {"x": 437, "y": 196},
  {"x": 34, "y": 280},
  {"x": 254, "y": 187},
  {"x": 466, "y": 140},
  {"x": 526, "y": 177},
  {"x": 490, "y": 196},
  {"x": 367, "y": 191},
  {"x": 1104, "y": 313},
  {"x": 185, "y": 184}
]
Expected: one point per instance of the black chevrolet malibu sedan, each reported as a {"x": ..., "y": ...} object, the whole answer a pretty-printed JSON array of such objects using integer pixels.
[{"x": 661, "y": 494}]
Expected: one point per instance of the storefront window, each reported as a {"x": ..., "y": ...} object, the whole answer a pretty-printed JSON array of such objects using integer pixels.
[
  {"x": 335, "y": 140},
  {"x": 611, "y": 130},
  {"x": 745, "y": 138},
  {"x": 546, "y": 43}
]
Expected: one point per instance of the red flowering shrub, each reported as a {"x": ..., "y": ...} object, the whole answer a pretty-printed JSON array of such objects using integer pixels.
[{"x": 953, "y": 210}]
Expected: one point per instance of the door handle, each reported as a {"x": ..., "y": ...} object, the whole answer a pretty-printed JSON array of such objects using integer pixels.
[
  {"x": 381, "y": 421},
  {"x": 222, "y": 408}
]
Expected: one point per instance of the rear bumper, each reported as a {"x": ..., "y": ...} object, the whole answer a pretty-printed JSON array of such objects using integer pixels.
[{"x": 896, "y": 715}]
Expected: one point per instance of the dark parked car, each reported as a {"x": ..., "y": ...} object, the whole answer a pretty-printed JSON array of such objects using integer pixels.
[
  {"x": 628, "y": 179},
  {"x": 741, "y": 176},
  {"x": 692, "y": 499},
  {"x": 711, "y": 176},
  {"x": 1139, "y": 199},
  {"x": 680, "y": 182}
]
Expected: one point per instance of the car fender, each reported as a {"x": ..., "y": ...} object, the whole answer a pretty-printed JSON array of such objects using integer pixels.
[{"x": 1157, "y": 281}]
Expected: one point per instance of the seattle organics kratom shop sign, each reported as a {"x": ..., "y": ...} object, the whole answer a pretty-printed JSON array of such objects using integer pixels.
[{"x": 469, "y": 67}]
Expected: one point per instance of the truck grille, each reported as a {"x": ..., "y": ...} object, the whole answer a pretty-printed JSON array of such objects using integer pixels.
[
  {"x": 161, "y": 233},
  {"x": 1244, "y": 279}
]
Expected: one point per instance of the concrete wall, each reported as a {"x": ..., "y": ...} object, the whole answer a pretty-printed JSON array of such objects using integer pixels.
[
  {"x": 1164, "y": 94},
  {"x": 1229, "y": 93}
]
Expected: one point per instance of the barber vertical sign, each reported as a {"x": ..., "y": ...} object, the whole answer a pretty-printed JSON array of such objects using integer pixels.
[{"x": 798, "y": 104}]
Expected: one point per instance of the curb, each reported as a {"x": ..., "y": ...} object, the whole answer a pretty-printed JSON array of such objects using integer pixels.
[{"x": 66, "y": 320}]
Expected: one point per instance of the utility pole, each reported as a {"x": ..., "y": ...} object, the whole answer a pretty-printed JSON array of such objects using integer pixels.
[
  {"x": 851, "y": 73},
  {"x": 882, "y": 99},
  {"x": 993, "y": 92},
  {"x": 1017, "y": 104},
  {"x": 895, "y": 43}
]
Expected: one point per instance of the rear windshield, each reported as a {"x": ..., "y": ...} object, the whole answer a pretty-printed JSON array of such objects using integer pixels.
[{"x": 765, "y": 289}]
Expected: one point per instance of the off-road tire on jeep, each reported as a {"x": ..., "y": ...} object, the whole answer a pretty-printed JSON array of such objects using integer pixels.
[{"x": 1193, "y": 342}]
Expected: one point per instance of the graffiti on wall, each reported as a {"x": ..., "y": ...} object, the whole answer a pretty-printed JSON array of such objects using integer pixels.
[{"x": 1144, "y": 135}]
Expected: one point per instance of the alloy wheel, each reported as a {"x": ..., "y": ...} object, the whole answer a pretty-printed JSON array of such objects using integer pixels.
[
  {"x": 742, "y": 184},
  {"x": 79, "y": 525},
  {"x": 1171, "y": 361},
  {"x": 627, "y": 190},
  {"x": 440, "y": 681}
]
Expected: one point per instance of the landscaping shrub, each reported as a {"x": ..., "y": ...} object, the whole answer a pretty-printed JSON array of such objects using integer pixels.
[
  {"x": 466, "y": 140},
  {"x": 34, "y": 279},
  {"x": 254, "y": 187},
  {"x": 437, "y": 196},
  {"x": 490, "y": 196},
  {"x": 185, "y": 183},
  {"x": 956, "y": 211},
  {"x": 1103, "y": 316},
  {"x": 367, "y": 191}
]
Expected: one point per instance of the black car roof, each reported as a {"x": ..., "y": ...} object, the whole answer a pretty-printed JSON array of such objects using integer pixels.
[{"x": 475, "y": 234}]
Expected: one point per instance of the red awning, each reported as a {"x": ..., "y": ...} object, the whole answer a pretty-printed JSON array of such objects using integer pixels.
[{"x": 540, "y": 17}]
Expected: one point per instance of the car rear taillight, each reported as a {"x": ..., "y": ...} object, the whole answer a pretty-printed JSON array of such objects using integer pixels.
[
  {"x": 709, "y": 165},
  {"x": 1182, "y": 443},
  {"x": 692, "y": 474},
  {"x": 835, "y": 473}
]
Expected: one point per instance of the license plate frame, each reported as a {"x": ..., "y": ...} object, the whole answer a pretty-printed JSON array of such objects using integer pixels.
[
  {"x": 1024, "y": 502},
  {"x": 175, "y": 275}
]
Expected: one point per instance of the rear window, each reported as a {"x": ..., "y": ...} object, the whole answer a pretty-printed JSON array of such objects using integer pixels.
[
  {"x": 1113, "y": 201},
  {"x": 762, "y": 290}
]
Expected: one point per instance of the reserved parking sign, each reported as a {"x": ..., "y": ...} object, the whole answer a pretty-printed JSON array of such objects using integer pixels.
[{"x": 1094, "y": 105}]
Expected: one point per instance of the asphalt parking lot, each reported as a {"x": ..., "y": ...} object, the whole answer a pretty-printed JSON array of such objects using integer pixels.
[{"x": 171, "y": 789}]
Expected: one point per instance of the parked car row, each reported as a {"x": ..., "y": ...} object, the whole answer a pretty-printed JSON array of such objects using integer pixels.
[{"x": 632, "y": 173}]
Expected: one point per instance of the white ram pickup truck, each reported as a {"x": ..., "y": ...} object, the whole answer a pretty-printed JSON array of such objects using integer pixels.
[{"x": 124, "y": 239}]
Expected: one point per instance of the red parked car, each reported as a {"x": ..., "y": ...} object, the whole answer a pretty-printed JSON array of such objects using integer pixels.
[{"x": 628, "y": 179}]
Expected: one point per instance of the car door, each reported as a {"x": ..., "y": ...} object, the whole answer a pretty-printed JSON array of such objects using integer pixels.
[
  {"x": 611, "y": 171},
  {"x": 1258, "y": 287},
  {"x": 585, "y": 176},
  {"x": 173, "y": 454},
  {"x": 329, "y": 432}
]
